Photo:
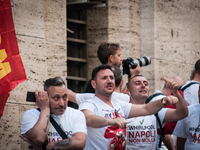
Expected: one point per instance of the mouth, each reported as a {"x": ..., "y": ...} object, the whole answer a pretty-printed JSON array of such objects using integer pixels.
[
  {"x": 109, "y": 86},
  {"x": 61, "y": 109},
  {"x": 143, "y": 91}
]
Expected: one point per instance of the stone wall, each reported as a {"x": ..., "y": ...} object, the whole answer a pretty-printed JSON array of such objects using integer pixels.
[
  {"x": 167, "y": 31},
  {"x": 41, "y": 33}
]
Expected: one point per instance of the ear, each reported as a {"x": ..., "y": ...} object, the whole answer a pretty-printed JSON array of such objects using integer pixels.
[
  {"x": 121, "y": 83},
  {"x": 111, "y": 58},
  {"x": 93, "y": 83},
  {"x": 128, "y": 92}
]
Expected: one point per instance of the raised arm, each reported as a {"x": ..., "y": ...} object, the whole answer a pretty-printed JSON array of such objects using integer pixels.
[
  {"x": 151, "y": 108},
  {"x": 38, "y": 133},
  {"x": 71, "y": 96},
  {"x": 95, "y": 121},
  {"x": 181, "y": 110}
]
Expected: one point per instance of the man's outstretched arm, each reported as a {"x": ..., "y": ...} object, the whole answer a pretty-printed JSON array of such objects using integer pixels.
[{"x": 95, "y": 121}]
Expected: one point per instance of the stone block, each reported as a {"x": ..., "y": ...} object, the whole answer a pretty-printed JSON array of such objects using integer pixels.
[
  {"x": 56, "y": 60},
  {"x": 28, "y": 17},
  {"x": 10, "y": 126},
  {"x": 55, "y": 20}
]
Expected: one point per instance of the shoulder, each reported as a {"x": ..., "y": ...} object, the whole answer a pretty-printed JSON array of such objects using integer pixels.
[
  {"x": 193, "y": 109},
  {"x": 190, "y": 82},
  {"x": 32, "y": 112},
  {"x": 73, "y": 113},
  {"x": 70, "y": 110},
  {"x": 121, "y": 96}
]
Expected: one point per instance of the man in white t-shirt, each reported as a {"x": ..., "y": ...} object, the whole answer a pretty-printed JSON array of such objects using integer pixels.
[
  {"x": 105, "y": 115},
  {"x": 36, "y": 127},
  {"x": 79, "y": 97},
  {"x": 142, "y": 131},
  {"x": 191, "y": 93},
  {"x": 187, "y": 130}
]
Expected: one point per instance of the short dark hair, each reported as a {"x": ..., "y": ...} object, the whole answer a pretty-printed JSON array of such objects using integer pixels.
[
  {"x": 105, "y": 50},
  {"x": 128, "y": 84},
  {"x": 117, "y": 74},
  {"x": 97, "y": 69},
  {"x": 197, "y": 66},
  {"x": 57, "y": 81}
]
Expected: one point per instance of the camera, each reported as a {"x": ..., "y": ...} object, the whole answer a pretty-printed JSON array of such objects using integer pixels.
[{"x": 144, "y": 61}]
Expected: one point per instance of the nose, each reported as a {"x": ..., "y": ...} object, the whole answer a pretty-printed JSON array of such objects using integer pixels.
[
  {"x": 61, "y": 102},
  {"x": 143, "y": 84}
]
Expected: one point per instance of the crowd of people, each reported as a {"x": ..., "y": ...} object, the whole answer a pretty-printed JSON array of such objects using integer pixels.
[{"x": 112, "y": 118}]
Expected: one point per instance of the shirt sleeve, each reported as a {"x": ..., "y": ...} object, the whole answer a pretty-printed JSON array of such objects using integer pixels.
[
  {"x": 161, "y": 115},
  {"x": 29, "y": 119},
  {"x": 87, "y": 105},
  {"x": 191, "y": 94},
  {"x": 179, "y": 129},
  {"x": 83, "y": 96},
  {"x": 79, "y": 123}
]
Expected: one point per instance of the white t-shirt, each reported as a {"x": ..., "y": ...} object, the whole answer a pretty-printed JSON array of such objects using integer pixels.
[
  {"x": 185, "y": 128},
  {"x": 86, "y": 96},
  {"x": 142, "y": 131},
  {"x": 157, "y": 97},
  {"x": 100, "y": 138},
  {"x": 191, "y": 93},
  {"x": 71, "y": 121}
]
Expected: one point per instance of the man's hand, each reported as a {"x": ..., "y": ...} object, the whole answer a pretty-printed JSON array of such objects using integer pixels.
[
  {"x": 134, "y": 72},
  {"x": 42, "y": 99},
  {"x": 119, "y": 122},
  {"x": 172, "y": 85},
  {"x": 170, "y": 99}
]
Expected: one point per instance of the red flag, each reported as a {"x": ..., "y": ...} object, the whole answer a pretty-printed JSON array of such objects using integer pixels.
[{"x": 11, "y": 67}]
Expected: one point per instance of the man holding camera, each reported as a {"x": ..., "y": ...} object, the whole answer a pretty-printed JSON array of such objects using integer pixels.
[
  {"x": 142, "y": 131},
  {"x": 105, "y": 115},
  {"x": 37, "y": 128}
]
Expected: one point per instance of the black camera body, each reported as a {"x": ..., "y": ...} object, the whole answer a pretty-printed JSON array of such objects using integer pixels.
[{"x": 144, "y": 61}]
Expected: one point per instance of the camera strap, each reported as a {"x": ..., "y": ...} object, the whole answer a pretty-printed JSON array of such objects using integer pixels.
[
  {"x": 188, "y": 85},
  {"x": 157, "y": 117},
  {"x": 57, "y": 127}
]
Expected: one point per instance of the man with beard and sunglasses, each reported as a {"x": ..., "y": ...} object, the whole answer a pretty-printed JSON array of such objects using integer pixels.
[
  {"x": 105, "y": 116},
  {"x": 36, "y": 127}
]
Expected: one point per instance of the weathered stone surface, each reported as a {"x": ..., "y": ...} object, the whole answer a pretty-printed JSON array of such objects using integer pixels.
[
  {"x": 55, "y": 20},
  {"x": 10, "y": 126},
  {"x": 56, "y": 60},
  {"x": 28, "y": 17}
]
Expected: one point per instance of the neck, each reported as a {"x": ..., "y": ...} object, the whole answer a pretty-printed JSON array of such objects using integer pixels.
[
  {"x": 138, "y": 101},
  {"x": 118, "y": 89},
  {"x": 196, "y": 78},
  {"x": 105, "y": 98}
]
